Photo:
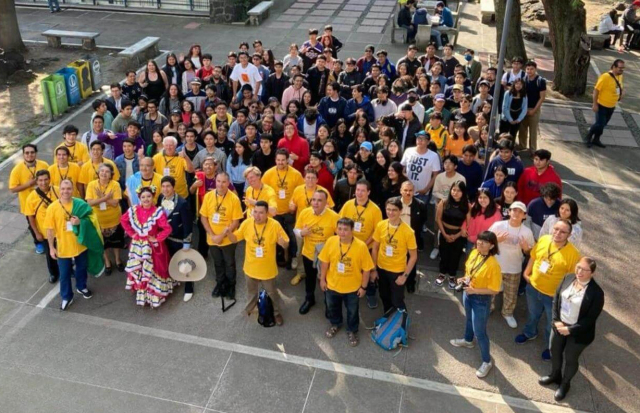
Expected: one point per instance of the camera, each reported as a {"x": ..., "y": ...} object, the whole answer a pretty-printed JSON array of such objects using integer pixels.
[{"x": 462, "y": 285}]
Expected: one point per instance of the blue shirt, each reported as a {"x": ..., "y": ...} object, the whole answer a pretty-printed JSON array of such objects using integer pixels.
[
  {"x": 473, "y": 176},
  {"x": 513, "y": 167}
]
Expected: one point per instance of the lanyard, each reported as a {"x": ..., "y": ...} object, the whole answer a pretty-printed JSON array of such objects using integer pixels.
[
  {"x": 167, "y": 162},
  {"x": 103, "y": 190},
  {"x": 364, "y": 208},
  {"x": 62, "y": 178},
  {"x": 219, "y": 204},
  {"x": 551, "y": 254},
  {"x": 259, "y": 192},
  {"x": 476, "y": 268},
  {"x": 305, "y": 195},
  {"x": 390, "y": 237},
  {"x": 261, "y": 236},
  {"x": 73, "y": 154},
  {"x": 94, "y": 168},
  {"x": 67, "y": 213},
  {"x": 35, "y": 166},
  {"x": 282, "y": 181},
  {"x": 343, "y": 254}
]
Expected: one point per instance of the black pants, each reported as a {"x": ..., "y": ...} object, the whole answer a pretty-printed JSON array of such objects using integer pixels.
[
  {"x": 565, "y": 348},
  {"x": 411, "y": 280},
  {"x": 203, "y": 247},
  {"x": 33, "y": 234},
  {"x": 391, "y": 294},
  {"x": 224, "y": 261},
  {"x": 511, "y": 129},
  {"x": 630, "y": 36},
  {"x": 310, "y": 280},
  {"x": 288, "y": 221},
  {"x": 52, "y": 265},
  {"x": 174, "y": 247},
  {"x": 450, "y": 253},
  {"x": 603, "y": 116}
]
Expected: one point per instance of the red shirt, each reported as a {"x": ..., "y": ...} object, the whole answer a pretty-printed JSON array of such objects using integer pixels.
[
  {"x": 530, "y": 182},
  {"x": 204, "y": 72},
  {"x": 325, "y": 179},
  {"x": 298, "y": 146}
]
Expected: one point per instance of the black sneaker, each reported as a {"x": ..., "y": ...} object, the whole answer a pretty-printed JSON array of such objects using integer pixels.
[
  {"x": 452, "y": 283},
  {"x": 86, "y": 293},
  {"x": 216, "y": 290},
  {"x": 65, "y": 304},
  {"x": 231, "y": 292}
]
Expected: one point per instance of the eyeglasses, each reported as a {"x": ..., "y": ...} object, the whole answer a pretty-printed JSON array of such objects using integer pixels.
[
  {"x": 560, "y": 231},
  {"x": 582, "y": 269},
  {"x": 30, "y": 153}
]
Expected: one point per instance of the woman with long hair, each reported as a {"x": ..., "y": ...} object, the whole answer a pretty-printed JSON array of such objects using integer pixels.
[
  {"x": 175, "y": 119},
  {"x": 294, "y": 108},
  {"x": 514, "y": 108},
  {"x": 342, "y": 136},
  {"x": 484, "y": 212},
  {"x": 496, "y": 184},
  {"x": 381, "y": 168},
  {"x": 435, "y": 75},
  {"x": 458, "y": 140},
  {"x": 239, "y": 160},
  {"x": 362, "y": 122},
  {"x": 322, "y": 136},
  {"x": 395, "y": 150},
  {"x": 156, "y": 143},
  {"x": 195, "y": 56},
  {"x": 153, "y": 81},
  {"x": 331, "y": 157},
  {"x": 268, "y": 60},
  {"x": 171, "y": 100},
  {"x": 172, "y": 69},
  {"x": 359, "y": 137},
  {"x": 508, "y": 197},
  {"x": 306, "y": 101},
  {"x": 568, "y": 210},
  {"x": 390, "y": 184},
  {"x": 197, "y": 123},
  {"x": 188, "y": 74},
  {"x": 187, "y": 109},
  {"x": 451, "y": 218}
]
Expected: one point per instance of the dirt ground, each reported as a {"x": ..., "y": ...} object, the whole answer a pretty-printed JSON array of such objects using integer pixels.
[{"x": 22, "y": 112}]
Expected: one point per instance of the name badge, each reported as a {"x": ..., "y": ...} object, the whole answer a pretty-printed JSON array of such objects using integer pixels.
[
  {"x": 282, "y": 194},
  {"x": 259, "y": 252},
  {"x": 544, "y": 267},
  {"x": 166, "y": 171},
  {"x": 103, "y": 206},
  {"x": 216, "y": 218},
  {"x": 69, "y": 226},
  {"x": 357, "y": 226},
  {"x": 388, "y": 251},
  {"x": 341, "y": 267},
  {"x": 290, "y": 161}
]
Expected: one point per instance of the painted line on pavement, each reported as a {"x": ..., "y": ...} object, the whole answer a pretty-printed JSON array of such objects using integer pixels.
[
  {"x": 602, "y": 186},
  {"x": 49, "y": 297},
  {"x": 330, "y": 366}
]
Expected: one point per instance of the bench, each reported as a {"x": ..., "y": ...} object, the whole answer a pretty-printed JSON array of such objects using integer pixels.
[
  {"x": 423, "y": 37},
  {"x": 597, "y": 39},
  {"x": 487, "y": 11},
  {"x": 546, "y": 40},
  {"x": 54, "y": 38},
  {"x": 259, "y": 12},
  {"x": 148, "y": 47}
]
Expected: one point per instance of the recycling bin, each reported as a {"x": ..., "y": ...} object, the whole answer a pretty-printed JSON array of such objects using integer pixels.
[
  {"x": 96, "y": 71},
  {"x": 84, "y": 77},
  {"x": 71, "y": 85},
  {"x": 54, "y": 94}
]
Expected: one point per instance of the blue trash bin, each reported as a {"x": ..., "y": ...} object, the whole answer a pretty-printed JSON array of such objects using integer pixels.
[{"x": 71, "y": 82}]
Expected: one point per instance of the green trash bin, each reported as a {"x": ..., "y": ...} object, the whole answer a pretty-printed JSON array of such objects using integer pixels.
[
  {"x": 84, "y": 77},
  {"x": 54, "y": 94}
]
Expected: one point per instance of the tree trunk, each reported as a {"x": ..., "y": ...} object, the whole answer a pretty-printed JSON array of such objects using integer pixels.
[
  {"x": 567, "y": 32},
  {"x": 10, "y": 38},
  {"x": 515, "y": 42}
]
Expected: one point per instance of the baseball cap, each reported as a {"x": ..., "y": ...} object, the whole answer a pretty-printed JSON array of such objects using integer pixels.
[
  {"x": 440, "y": 96},
  {"x": 423, "y": 135},
  {"x": 520, "y": 205},
  {"x": 196, "y": 80},
  {"x": 367, "y": 145},
  {"x": 485, "y": 83},
  {"x": 176, "y": 112},
  {"x": 458, "y": 87},
  {"x": 636, "y": 3}
]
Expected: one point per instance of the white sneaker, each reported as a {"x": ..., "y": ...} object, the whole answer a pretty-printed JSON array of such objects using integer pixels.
[
  {"x": 294, "y": 264},
  {"x": 441, "y": 48},
  {"x": 511, "y": 321},
  {"x": 484, "y": 369},
  {"x": 187, "y": 297},
  {"x": 461, "y": 342},
  {"x": 434, "y": 253}
]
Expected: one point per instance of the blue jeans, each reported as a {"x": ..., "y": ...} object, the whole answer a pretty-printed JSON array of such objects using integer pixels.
[
  {"x": 435, "y": 34},
  {"x": 476, "y": 308},
  {"x": 603, "y": 116},
  {"x": 65, "y": 267},
  {"x": 334, "y": 309},
  {"x": 54, "y": 5},
  {"x": 538, "y": 303},
  {"x": 411, "y": 32}
]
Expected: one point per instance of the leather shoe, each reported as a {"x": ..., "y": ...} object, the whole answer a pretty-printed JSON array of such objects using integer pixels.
[
  {"x": 599, "y": 144},
  {"x": 53, "y": 279},
  {"x": 306, "y": 306},
  {"x": 216, "y": 291},
  {"x": 562, "y": 391},
  {"x": 231, "y": 293},
  {"x": 551, "y": 379}
]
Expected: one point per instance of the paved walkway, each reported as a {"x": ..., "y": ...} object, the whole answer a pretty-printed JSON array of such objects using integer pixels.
[{"x": 107, "y": 355}]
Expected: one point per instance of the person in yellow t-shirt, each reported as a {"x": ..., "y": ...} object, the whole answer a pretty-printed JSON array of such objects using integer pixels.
[
  {"x": 552, "y": 258},
  {"x": 480, "y": 283},
  {"x": 63, "y": 169},
  {"x": 257, "y": 190},
  {"x": 89, "y": 170},
  {"x": 300, "y": 200},
  {"x": 104, "y": 195},
  {"x": 35, "y": 209},
  {"x": 314, "y": 226},
  {"x": 393, "y": 240},
  {"x": 284, "y": 179},
  {"x": 221, "y": 211},
  {"x": 78, "y": 151},
  {"x": 170, "y": 163},
  {"x": 22, "y": 181},
  {"x": 345, "y": 264},
  {"x": 64, "y": 245},
  {"x": 609, "y": 89},
  {"x": 261, "y": 235}
]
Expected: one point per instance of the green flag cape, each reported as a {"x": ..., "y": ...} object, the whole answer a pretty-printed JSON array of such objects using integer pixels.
[{"x": 89, "y": 235}]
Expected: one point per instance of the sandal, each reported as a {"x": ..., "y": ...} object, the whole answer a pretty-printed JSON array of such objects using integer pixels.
[
  {"x": 331, "y": 332},
  {"x": 353, "y": 339},
  {"x": 440, "y": 279}
]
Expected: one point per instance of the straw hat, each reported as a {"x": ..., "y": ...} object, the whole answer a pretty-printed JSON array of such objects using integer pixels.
[{"x": 187, "y": 265}]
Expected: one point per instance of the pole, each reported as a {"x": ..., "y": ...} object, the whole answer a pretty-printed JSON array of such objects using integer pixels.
[{"x": 498, "y": 85}]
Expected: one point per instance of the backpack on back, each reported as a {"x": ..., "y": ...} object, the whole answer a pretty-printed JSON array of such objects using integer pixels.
[
  {"x": 266, "y": 318},
  {"x": 420, "y": 17},
  {"x": 390, "y": 330}
]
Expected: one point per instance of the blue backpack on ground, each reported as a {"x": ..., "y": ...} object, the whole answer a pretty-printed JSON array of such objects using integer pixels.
[
  {"x": 390, "y": 331},
  {"x": 266, "y": 317}
]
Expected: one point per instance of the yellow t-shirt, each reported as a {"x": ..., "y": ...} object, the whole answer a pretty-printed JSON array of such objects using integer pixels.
[
  {"x": 560, "y": 263},
  {"x": 283, "y": 183},
  {"x": 365, "y": 218},
  {"x": 395, "y": 243},
  {"x": 89, "y": 171},
  {"x": 439, "y": 136},
  {"x": 155, "y": 181},
  {"x": 78, "y": 152},
  {"x": 20, "y": 175},
  {"x": 455, "y": 146},
  {"x": 483, "y": 275},
  {"x": 108, "y": 216},
  {"x": 302, "y": 197},
  {"x": 72, "y": 172},
  {"x": 220, "y": 211},
  {"x": 35, "y": 206},
  {"x": 174, "y": 166},
  {"x": 262, "y": 267},
  {"x": 322, "y": 227},
  {"x": 346, "y": 264},
  {"x": 56, "y": 219},
  {"x": 608, "y": 92},
  {"x": 266, "y": 194}
]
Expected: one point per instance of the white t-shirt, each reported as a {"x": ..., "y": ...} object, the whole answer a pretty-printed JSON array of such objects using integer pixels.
[
  {"x": 511, "y": 255},
  {"x": 249, "y": 74},
  {"x": 420, "y": 167},
  {"x": 442, "y": 185}
]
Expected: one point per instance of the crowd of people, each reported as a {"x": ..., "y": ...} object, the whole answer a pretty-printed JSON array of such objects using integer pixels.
[{"x": 341, "y": 171}]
